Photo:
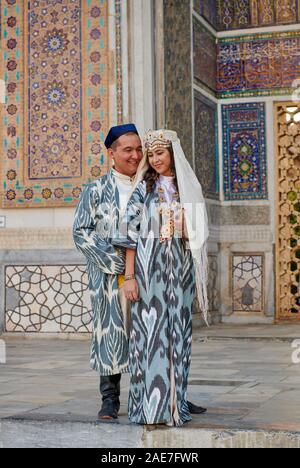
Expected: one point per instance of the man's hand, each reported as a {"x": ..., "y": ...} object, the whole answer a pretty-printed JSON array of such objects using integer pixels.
[{"x": 131, "y": 290}]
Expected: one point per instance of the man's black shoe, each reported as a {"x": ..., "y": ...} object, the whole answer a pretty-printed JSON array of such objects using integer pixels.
[
  {"x": 109, "y": 410},
  {"x": 110, "y": 393},
  {"x": 194, "y": 409}
]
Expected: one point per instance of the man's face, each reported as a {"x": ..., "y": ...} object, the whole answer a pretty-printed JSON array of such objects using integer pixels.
[{"x": 127, "y": 153}]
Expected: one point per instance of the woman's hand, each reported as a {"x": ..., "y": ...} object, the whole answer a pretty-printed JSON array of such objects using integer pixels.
[
  {"x": 180, "y": 224},
  {"x": 131, "y": 290},
  {"x": 178, "y": 221},
  {"x": 185, "y": 235}
]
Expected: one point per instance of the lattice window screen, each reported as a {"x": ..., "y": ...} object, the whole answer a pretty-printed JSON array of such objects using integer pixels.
[{"x": 288, "y": 204}]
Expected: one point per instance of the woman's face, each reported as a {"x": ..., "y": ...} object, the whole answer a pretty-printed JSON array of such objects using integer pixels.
[{"x": 160, "y": 160}]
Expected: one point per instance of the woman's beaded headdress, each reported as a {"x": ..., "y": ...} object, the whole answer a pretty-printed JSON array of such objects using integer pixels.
[{"x": 159, "y": 139}]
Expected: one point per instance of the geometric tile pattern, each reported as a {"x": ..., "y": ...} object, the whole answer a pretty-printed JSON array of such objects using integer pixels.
[
  {"x": 206, "y": 145},
  {"x": 244, "y": 151},
  {"x": 248, "y": 283},
  {"x": 288, "y": 211},
  {"x": 258, "y": 65},
  {"x": 233, "y": 14},
  {"x": 54, "y": 94},
  {"x": 56, "y": 299},
  {"x": 47, "y": 299},
  {"x": 54, "y": 61}
]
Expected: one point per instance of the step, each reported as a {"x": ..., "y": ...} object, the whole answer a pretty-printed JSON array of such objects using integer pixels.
[{"x": 40, "y": 434}]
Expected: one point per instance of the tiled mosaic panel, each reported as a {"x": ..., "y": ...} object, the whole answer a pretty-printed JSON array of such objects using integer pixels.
[
  {"x": 244, "y": 151},
  {"x": 206, "y": 145},
  {"x": 52, "y": 135},
  {"x": 47, "y": 299},
  {"x": 239, "y": 14},
  {"x": 288, "y": 210},
  {"x": 233, "y": 14},
  {"x": 178, "y": 79},
  {"x": 260, "y": 65},
  {"x": 248, "y": 283},
  {"x": 205, "y": 56},
  {"x": 54, "y": 126},
  {"x": 274, "y": 12},
  {"x": 207, "y": 9}
]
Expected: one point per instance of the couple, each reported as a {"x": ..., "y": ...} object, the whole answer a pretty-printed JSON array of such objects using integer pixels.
[{"x": 143, "y": 229}]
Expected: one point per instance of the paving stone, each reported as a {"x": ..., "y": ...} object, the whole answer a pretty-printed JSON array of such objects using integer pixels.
[{"x": 247, "y": 385}]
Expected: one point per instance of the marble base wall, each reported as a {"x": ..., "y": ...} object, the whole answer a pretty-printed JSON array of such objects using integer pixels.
[
  {"x": 46, "y": 291},
  {"x": 246, "y": 262},
  {"x": 247, "y": 282}
]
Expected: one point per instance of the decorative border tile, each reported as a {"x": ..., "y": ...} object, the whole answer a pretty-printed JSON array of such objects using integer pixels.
[
  {"x": 258, "y": 65},
  {"x": 119, "y": 70},
  {"x": 241, "y": 14}
]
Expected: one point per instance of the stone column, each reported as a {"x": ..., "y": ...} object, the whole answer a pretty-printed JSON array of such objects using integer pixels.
[{"x": 141, "y": 82}]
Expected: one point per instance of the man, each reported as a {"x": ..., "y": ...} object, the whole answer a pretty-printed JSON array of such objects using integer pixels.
[{"x": 95, "y": 226}]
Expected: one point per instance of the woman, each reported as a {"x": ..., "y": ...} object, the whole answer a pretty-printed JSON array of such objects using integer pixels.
[{"x": 165, "y": 261}]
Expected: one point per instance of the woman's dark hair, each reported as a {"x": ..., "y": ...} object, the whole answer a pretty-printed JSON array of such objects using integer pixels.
[{"x": 151, "y": 175}]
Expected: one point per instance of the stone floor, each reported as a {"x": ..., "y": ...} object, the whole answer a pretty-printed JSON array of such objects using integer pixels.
[{"x": 245, "y": 376}]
